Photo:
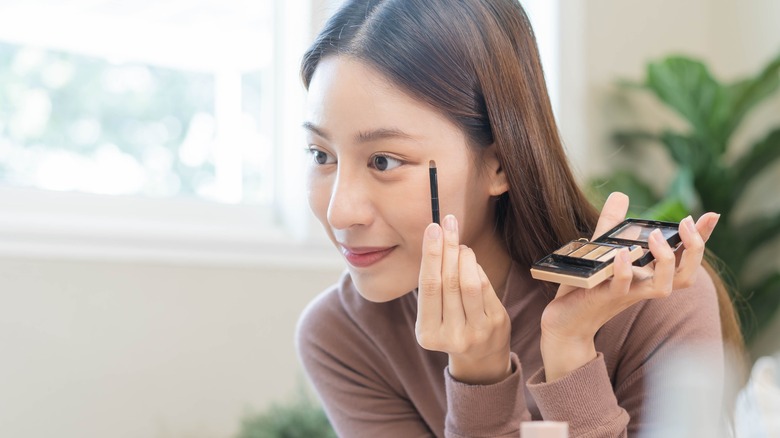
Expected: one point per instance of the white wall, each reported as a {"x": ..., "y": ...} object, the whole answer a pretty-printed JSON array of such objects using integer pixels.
[{"x": 93, "y": 349}]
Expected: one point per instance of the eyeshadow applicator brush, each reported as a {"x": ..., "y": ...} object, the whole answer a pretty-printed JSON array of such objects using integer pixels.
[{"x": 434, "y": 191}]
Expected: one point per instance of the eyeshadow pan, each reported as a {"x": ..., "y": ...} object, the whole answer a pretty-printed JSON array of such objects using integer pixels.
[
  {"x": 569, "y": 248},
  {"x": 607, "y": 255},
  {"x": 584, "y": 250},
  {"x": 598, "y": 252},
  {"x": 641, "y": 232},
  {"x": 630, "y": 232}
]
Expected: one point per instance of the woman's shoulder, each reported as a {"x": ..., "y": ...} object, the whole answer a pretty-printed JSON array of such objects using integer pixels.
[
  {"x": 342, "y": 337},
  {"x": 341, "y": 314},
  {"x": 327, "y": 309},
  {"x": 691, "y": 312}
]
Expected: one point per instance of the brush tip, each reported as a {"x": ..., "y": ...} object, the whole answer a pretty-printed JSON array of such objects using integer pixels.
[{"x": 432, "y": 164}]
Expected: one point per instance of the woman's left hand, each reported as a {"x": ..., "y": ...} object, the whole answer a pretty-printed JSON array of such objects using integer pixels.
[{"x": 571, "y": 320}]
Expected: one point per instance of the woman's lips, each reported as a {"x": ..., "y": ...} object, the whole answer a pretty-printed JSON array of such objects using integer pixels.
[{"x": 365, "y": 256}]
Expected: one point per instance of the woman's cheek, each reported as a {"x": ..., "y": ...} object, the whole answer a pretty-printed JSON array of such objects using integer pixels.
[
  {"x": 318, "y": 191},
  {"x": 418, "y": 214}
]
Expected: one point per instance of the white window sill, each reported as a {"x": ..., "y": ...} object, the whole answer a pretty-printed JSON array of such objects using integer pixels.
[{"x": 75, "y": 226}]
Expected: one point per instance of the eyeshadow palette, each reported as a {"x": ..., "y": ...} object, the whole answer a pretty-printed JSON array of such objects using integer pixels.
[{"x": 584, "y": 263}]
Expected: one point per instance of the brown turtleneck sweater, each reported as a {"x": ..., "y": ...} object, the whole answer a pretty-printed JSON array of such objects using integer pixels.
[{"x": 375, "y": 380}]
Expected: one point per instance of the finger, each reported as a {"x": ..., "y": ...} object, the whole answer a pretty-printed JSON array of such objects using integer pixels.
[
  {"x": 691, "y": 256},
  {"x": 564, "y": 289},
  {"x": 622, "y": 273},
  {"x": 471, "y": 288},
  {"x": 452, "y": 304},
  {"x": 706, "y": 224},
  {"x": 613, "y": 213},
  {"x": 663, "y": 275},
  {"x": 493, "y": 305},
  {"x": 429, "y": 305}
]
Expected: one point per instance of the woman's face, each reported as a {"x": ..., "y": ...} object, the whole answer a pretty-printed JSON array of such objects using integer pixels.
[{"x": 368, "y": 183}]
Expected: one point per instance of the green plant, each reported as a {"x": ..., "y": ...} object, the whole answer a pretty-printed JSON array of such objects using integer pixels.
[
  {"x": 298, "y": 418},
  {"x": 707, "y": 179}
]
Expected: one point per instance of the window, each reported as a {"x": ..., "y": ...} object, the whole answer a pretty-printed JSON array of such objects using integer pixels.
[
  {"x": 166, "y": 129},
  {"x": 544, "y": 19},
  {"x": 145, "y": 127},
  {"x": 161, "y": 99}
]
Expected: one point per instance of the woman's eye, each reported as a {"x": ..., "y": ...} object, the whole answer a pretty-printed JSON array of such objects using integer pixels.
[
  {"x": 321, "y": 157},
  {"x": 383, "y": 162}
]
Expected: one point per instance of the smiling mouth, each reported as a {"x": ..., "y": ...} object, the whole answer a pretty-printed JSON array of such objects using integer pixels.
[{"x": 365, "y": 257}]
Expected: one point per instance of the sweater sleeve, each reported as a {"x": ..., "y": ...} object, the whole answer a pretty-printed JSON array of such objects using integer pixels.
[
  {"x": 612, "y": 396},
  {"x": 584, "y": 398},
  {"x": 486, "y": 410}
]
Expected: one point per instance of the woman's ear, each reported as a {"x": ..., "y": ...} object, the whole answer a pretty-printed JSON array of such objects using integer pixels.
[{"x": 496, "y": 178}]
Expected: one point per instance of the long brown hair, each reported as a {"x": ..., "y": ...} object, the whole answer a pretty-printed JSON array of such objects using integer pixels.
[{"x": 477, "y": 62}]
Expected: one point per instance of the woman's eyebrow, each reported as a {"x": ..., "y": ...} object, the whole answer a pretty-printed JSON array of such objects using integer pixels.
[
  {"x": 382, "y": 134},
  {"x": 365, "y": 136},
  {"x": 315, "y": 129}
]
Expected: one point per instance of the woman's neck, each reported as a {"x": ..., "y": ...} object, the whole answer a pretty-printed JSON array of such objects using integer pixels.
[{"x": 495, "y": 260}]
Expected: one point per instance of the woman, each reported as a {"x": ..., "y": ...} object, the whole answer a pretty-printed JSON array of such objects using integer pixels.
[{"x": 440, "y": 330}]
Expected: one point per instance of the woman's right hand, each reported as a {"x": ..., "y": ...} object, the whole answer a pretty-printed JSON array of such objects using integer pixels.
[
  {"x": 571, "y": 320},
  {"x": 458, "y": 312}
]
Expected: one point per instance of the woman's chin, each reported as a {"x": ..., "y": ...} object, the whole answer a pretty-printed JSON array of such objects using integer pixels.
[{"x": 379, "y": 290}]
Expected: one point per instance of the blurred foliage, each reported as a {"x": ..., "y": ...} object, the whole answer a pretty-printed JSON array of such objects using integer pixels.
[
  {"x": 706, "y": 180},
  {"x": 132, "y": 106},
  {"x": 299, "y": 418}
]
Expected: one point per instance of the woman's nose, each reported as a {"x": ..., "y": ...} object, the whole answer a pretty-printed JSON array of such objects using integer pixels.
[{"x": 350, "y": 202}]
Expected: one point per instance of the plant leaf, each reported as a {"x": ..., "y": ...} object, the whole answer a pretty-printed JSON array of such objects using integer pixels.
[
  {"x": 634, "y": 138},
  {"x": 640, "y": 195},
  {"x": 760, "y": 231},
  {"x": 682, "y": 189},
  {"x": 748, "y": 93},
  {"x": 295, "y": 419},
  {"x": 751, "y": 163},
  {"x": 687, "y": 86},
  {"x": 686, "y": 151},
  {"x": 669, "y": 209}
]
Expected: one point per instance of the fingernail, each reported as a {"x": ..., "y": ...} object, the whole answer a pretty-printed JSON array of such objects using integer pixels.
[
  {"x": 434, "y": 232},
  {"x": 450, "y": 224},
  {"x": 657, "y": 235},
  {"x": 624, "y": 256},
  {"x": 690, "y": 224}
]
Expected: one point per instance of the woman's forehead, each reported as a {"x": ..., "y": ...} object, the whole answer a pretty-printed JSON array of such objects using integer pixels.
[{"x": 345, "y": 92}]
